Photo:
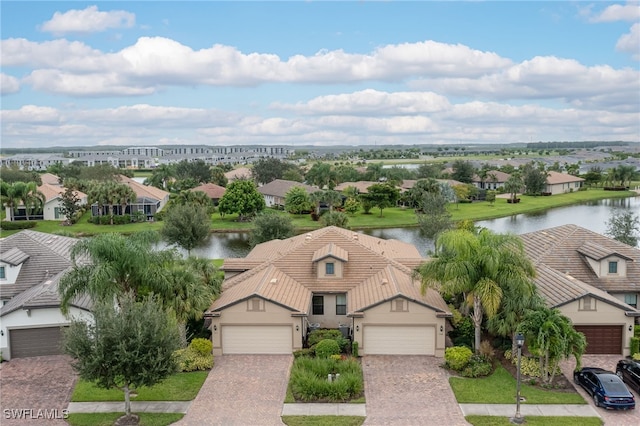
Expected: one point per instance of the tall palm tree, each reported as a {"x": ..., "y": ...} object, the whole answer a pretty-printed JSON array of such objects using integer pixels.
[
  {"x": 478, "y": 268},
  {"x": 31, "y": 197},
  {"x": 11, "y": 195},
  {"x": 333, "y": 198}
]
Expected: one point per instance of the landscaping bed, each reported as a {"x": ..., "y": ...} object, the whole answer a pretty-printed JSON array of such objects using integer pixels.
[{"x": 309, "y": 380}]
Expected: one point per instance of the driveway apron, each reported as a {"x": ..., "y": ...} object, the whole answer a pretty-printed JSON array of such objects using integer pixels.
[
  {"x": 409, "y": 390},
  {"x": 35, "y": 391},
  {"x": 242, "y": 390}
]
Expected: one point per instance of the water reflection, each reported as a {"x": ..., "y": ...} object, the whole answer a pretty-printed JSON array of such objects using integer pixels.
[{"x": 591, "y": 215}]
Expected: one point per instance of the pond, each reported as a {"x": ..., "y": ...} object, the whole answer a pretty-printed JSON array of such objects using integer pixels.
[{"x": 592, "y": 215}]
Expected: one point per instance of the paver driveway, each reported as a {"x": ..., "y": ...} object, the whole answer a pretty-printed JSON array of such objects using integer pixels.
[
  {"x": 608, "y": 362},
  {"x": 42, "y": 385},
  {"x": 242, "y": 390},
  {"x": 409, "y": 390}
]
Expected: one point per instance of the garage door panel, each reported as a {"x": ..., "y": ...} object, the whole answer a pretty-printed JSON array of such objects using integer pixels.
[
  {"x": 399, "y": 340},
  {"x": 257, "y": 339},
  {"x": 30, "y": 342},
  {"x": 602, "y": 339}
]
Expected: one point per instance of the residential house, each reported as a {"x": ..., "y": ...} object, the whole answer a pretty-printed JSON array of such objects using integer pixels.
[
  {"x": 594, "y": 280},
  {"x": 149, "y": 199},
  {"x": 31, "y": 265},
  {"x": 327, "y": 278},
  {"x": 561, "y": 183},
  {"x": 362, "y": 186},
  {"x": 495, "y": 179},
  {"x": 239, "y": 173},
  {"x": 213, "y": 191},
  {"x": 275, "y": 191}
]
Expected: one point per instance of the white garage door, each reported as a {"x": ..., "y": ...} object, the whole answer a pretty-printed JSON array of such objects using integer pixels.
[
  {"x": 399, "y": 340},
  {"x": 256, "y": 339}
]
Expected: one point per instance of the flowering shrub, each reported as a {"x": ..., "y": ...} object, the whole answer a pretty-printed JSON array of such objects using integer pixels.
[{"x": 457, "y": 357}]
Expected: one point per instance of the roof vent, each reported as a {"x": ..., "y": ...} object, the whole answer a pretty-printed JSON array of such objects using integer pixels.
[
  {"x": 308, "y": 237},
  {"x": 355, "y": 235},
  {"x": 384, "y": 281},
  {"x": 274, "y": 281}
]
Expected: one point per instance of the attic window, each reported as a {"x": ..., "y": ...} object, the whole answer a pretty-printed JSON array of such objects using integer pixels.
[
  {"x": 255, "y": 305},
  {"x": 330, "y": 268},
  {"x": 3, "y": 274},
  {"x": 587, "y": 303},
  {"x": 399, "y": 305},
  {"x": 613, "y": 267}
]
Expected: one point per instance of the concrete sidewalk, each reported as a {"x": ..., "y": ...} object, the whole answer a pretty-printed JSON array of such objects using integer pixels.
[
  {"x": 324, "y": 410},
  {"x": 136, "y": 407},
  {"x": 509, "y": 410}
]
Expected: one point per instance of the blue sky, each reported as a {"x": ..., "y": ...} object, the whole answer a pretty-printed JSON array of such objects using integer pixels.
[{"x": 318, "y": 73}]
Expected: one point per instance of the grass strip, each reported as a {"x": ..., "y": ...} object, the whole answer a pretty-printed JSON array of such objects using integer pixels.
[
  {"x": 108, "y": 419},
  {"x": 536, "y": 421},
  {"x": 323, "y": 420}
]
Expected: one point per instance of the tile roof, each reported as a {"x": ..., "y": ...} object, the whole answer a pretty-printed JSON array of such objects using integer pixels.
[
  {"x": 283, "y": 271},
  {"x": 49, "y": 178},
  {"x": 212, "y": 190},
  {"x": 51, "y": 192},
  {"x": 239, "y": 173},
  {"x": 555, "y": 178},
  {"x": 361, "y": 186},
  {"x": 562, "y": 249},
  {"x": 14, "y": 256},
  {"x": 330, "y": 250},
  {"x": 598, "y": 252},
  {"x": 280, "y": 187},
  {"x": 501, "y": 177},
  {"x": 144, "y": 191}
]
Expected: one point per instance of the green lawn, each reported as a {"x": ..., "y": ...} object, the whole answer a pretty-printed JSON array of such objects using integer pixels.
[
  {"x": 500, "y": 388},
  {"x": 108, "y": 419},
  {"x": 179, "y": 387},
  {"x": 323, "y": 420},
  {"x": 535, "y": 421}
]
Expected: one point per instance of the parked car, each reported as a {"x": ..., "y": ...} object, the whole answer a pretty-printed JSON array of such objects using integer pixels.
[
  {"x": 629, "y": 371},
  {"x": 605, "y": 387}
]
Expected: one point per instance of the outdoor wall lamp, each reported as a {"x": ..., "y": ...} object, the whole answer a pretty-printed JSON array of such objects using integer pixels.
[
  {"x": 441, "y": 329},
  {"x": 357, "y": 328},
  {"x": 297, "y": 327},
  {"x": 630, "y": 328},
  {"x": 1, "y": 332},
  {"x": 215, "y": 327}
]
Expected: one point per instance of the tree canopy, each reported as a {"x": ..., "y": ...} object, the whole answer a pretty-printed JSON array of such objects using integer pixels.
[
  {"x": 269, "y": 226},
  {"x": 624, "y": 226},
  {"x": 241, "y": 197},
  {"x": 187, "y": 225}
]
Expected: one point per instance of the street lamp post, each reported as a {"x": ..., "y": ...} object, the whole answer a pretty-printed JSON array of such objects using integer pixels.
[{"x": 518, "y": 419}]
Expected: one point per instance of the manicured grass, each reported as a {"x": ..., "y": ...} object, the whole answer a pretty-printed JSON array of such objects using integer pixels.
[
  {"x": 535, "y": 421},
  {"x": 107, "y": 419},
  {"x": 500, "y": 388},
  {"x": 179, "y": 387},
  {"x": 323, "y": 420}
]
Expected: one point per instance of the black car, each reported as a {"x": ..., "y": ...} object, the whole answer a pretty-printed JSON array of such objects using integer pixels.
[
  {"x": 605, "y": 387},
  {"x": 629, "y": 371}
]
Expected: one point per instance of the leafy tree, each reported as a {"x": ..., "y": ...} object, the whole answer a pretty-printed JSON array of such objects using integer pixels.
[
  {"x": 624, "y": 226},
  {"x": 321, "y": 175},
  {"x": 463, "y": 171},
  {"x": 490, "y": 197},
  {"x": 266, "y": 170},
  {"x": 197, "y": 170},
  {"x": 415, "y": 194},
  {"x": 555, "y": 167},
  {"x": 478, "y": 268},
  {"x": 125, "y": 347},
  {"x": 433, "y": 215},
  {"x": 161, "y": 177},
  {"x": 297, "y": 200},
  {"x": 100, "y": 173},
  {"x": 374, "y": 171},
  {"x": 241, "y": 197},
  {"x": 351, "y": 205},
  {"x": 218, "y": 177},
  {"x": 11, "y": 196},
  {"x": 382, "y": 195},
  {"x": 594, "y": 176},
  {"x": 347, "y": 173},
  {"x": 187, "y": 225},
  {"x": 293, "y": 174},
  {"x": 30, "y": 196},
  {"x": 338, "y": 219},
  {"x": 551, "y": 337},
  {"x": 462, "y": 193},
  {"x": 192, "y": 197},
  {"x": 332, "y": 198},
  {"x": 534, "y": 179},
  {"x": 271, "y": 226},
  {"x": 69, "y": 205},
  {"x": 513, "y": 185},
  {"x": 426, "y": 171},
  {"x": 12, "y": 174}
]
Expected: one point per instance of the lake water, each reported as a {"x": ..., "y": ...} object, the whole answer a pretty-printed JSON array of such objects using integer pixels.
[{"x": 592, "y": 215}]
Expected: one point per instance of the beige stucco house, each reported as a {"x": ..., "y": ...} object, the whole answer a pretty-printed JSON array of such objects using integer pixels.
[
  {"x": 594, "y": 280},
  {"x": 275, "y": 192},
  {"x": 561, "y": 183},
  {"x": 328, "y": 278}
]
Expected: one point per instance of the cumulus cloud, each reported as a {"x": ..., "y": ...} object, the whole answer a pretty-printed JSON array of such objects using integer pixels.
[
  {"x": 8, "y": 84},
  {"x": 31, "y": 114},
  {"x": 618, "y": 12},
  {"x": 630, "y": 43},
  {"x": 89, "y": 20}
]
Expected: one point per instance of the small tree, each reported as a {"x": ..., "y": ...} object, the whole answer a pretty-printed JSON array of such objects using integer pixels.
[
  {"x": 624, "y": 226},
  {"x": 186, "y": 225},
  {"x": 241, "y": 197},
  {"x": 271, "y": 226},
  {"x": 513, "y": 185},
  {"x": 125, "y": 347},
  {"x": 69, "y": 205},
  {"x": 382, "y": 195},
  {"x": 297, "y": 200},
  {"x": 490, "y": 197},
  {"x": 433, "y": 215},
  {"x": 338, "y": 219},
  {"x": 351, "y": 205}
]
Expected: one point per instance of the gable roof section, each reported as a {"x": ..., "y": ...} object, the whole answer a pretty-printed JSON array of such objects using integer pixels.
[
  {"x": 280, "y": 187},
  {"x": 559, "y": 249},
  {"x": 212, "y": 190},
  {"x": 49, "y": 178},
  {"x": 14, "y": 256},
  {"x": 362, "y": 186},
  {"x": 144, "y": 191},
  {"x": 48, "y": 255},
  {"x": 289, "y": 263},
  {"x": 554, "y": 178},
  {"x": 239, "y": 173},
  {"x": 501, "y": 177},
  {"x": 51, "y": 192},
  {"x": 598, "y": 252}
]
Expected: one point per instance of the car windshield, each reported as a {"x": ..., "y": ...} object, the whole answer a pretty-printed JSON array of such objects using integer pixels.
[{"x": 612, "y": 384}]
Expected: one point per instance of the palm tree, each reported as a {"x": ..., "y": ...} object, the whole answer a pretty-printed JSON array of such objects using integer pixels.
[
  {"x": 513, "y": 185},
  {"x": 333, "y": 198},
  {"x": 11, "y": 194},
  {"x": 316, "y": 198},
  {"x": 108, "y": 266},
  {"x": 480, "y": 268},
  {"x": 30, "y": 196}
]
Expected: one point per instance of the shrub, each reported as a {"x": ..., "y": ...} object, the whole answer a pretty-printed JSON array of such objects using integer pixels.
[
  {"x": 307, "y": 352},
  {"x": 201, "y": 346},
  {"x": 478, "y": 366},
  {"x": 457, "y": 357},
  {"x": 309, "y": 379},
  {"x": 20, "y": 224},
  {"x": 355, "y": 349},
  {"x": 322, "y": 334},
  {"x": 636, "y": 330},
  {"x": 327, "y": 347},
  {"x": 190, "y": 360},
  {"x": 486, "y": 350},
  {"x": 508, "y": 354},
  {"x": 636, "y": 357}
]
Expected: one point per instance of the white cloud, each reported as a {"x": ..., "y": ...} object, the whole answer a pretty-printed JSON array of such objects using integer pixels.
[
  {"x": 8, "y": 84},
  {"x": 630, "y": 43},
  {"x": 31, "y": 114},
  {"x": 617, "y": 12},
  {"x": 89, "y": 20}
]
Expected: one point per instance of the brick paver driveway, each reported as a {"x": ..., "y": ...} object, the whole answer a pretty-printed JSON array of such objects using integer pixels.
[
  {"x": 409, "y": 390},
  {"x": 608, "y": 362},
  {"x": 37, "y": 388},
  {"x": 242, "y": 390}
]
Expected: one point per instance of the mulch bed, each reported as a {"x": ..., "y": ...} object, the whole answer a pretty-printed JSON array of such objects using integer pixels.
[{"x": 560, "y": 382}]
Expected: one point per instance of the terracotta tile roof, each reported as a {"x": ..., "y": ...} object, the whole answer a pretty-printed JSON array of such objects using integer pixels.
[
  {"x": 239, "y": 173},
  {"x": 280, "y": 187},
  {"x": 290, "y": 263},
  {"x": 410, "y": 183},
  {"x": 213, "y": 191},
  {"x": 561, "y": 249},
  {"x": 555, "y": 178},
  {"x": 49, "y": 178},
  {"x": 14, "y": 256},
  {"x": 361, "y": 186},
  {"x": 501, "y": 177},
  {"x": 51, "y": 192},
  {"x": 598, "y": 252},
  {"x": 144, "y": 191},
  {"x": 330, "y": 250}
]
